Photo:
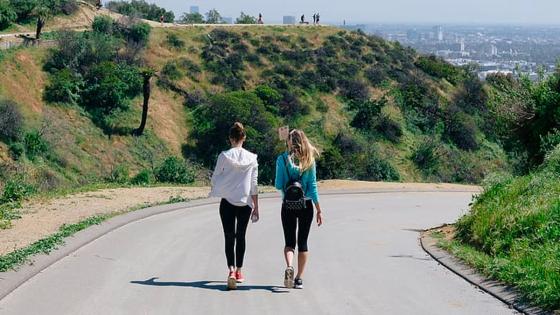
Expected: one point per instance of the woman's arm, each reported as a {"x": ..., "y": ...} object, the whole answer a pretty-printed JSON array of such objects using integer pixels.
[
  {"x": 218, "y": 169},
  {"x": 279, "y": 181},
  {"x": 255, "y": 191},
  {"x": 314, "y": 193},
  {"x": 319, "y": 214}
]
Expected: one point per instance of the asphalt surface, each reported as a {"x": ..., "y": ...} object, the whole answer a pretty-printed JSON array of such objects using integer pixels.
[{"x": 365, "y": 259}]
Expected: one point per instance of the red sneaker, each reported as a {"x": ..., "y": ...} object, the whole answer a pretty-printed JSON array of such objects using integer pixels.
[
  {"x": 232, "y": 281},
  {"x": 239, "y": 277}
]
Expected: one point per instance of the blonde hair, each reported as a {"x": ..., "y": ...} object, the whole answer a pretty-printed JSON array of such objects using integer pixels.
[{"x": 303, "y": 150}]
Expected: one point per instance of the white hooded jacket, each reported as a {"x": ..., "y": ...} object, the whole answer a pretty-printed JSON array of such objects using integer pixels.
[{"x": 235, "y": 177}]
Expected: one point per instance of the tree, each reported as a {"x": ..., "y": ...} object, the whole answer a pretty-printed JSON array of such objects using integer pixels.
[
  {"x": 246, "y": 19},
  {"x": 43, "y": 12},
  {"x": 192, "y": 18},
  {"x": 147, "y": 74},
  {"x": 214, "y": 17},
  {"x": 7, "y": 14}
]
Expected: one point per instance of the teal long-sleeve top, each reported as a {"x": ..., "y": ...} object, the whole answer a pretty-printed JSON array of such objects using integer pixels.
[{"x": 308, "y": 178}]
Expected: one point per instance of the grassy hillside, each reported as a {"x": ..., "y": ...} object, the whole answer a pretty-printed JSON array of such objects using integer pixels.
[
  {"x": 377, "y": 111},
  {"x": 513, "y": 232}
]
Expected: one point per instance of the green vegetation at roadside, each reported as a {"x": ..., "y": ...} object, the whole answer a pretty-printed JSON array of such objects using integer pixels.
[{"x": 513, "y": 232}]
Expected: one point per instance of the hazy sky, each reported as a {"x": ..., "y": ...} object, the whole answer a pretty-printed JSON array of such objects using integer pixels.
[{"x": 398, "y": 11}]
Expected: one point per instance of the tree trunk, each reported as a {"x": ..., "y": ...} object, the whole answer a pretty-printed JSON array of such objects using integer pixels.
[
  {"x": 147, "y": 91},
  {"x": 40, "y": 24}
]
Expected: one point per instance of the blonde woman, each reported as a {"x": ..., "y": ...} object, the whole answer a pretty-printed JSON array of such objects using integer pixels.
[
  {"x": 235, "y": 181},
  {"x": 296, "y": 178}
]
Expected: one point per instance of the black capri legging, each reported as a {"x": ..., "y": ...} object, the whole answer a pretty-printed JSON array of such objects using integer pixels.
[
  {"x": 300, "y": 220},
  {"x": 234, "y": 221}
]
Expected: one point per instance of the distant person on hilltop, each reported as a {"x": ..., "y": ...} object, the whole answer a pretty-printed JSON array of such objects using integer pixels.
[
  {"x": 296, "y": 179},
  {"x": 161, "y": 19},
  {"x": 98, "y": 4},
  {"x": 260, "y": 21},
  {"x": 235, "y": 181},
  {"x": 314, "y": 18},
  {"x": 317, "y": 18},
  {"x": 302, "y": 19}
]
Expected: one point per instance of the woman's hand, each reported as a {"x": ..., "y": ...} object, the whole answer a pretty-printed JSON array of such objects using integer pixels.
[
  {"x": 319, "y": 214},
  {"x": 255, "y": 214},
  {"x": 319, "y": 218}
]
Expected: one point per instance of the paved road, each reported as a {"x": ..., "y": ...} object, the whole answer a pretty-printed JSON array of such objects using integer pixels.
[{"x": 366, "y": 259}]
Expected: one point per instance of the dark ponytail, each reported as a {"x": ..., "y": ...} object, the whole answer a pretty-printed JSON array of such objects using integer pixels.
[{"x": 237, "y": 132}]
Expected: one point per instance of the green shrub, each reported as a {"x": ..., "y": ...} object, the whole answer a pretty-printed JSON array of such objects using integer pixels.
[
  {"x": 375, "y": 75},
  {"x": 174, "y": 170},
  {"x": 550, "y": 141},
  {"x": 426, "y": 155},
  {"x": 461, "y": 130},
  {"x": 438, "y": 68},
  {"x": 331, "y": 164},
  {"x": 35, "y": 145},
  {"x": 23, "y": 8},
  {"x": 389, "y": 128},
  {"x": 16, "y": 150},
  {"x": 367, "y": 114},
  {"x": 64, "y": 87},
  {"x": 144, "y": 177},
  {"x": 377, "y": 169},
  {"x": 11, "y": 121},
  {"x": 103, "y": 24},
  {"x": 110, "y": 86},
  {"x": 120, "y": 174},
  {"x": 354, "y": 90},
  {"x": 171, "y": 71},
  {"x": 141, "y": 9},
  {"x": 15, "y": 191},
  {"x": 139, "y": 33},
  {"x": 7, "y": 14},
  {"x": 268, "y": 95},
  {"x": 246, "y": 19},
  {"x": 174, "y": 41}
]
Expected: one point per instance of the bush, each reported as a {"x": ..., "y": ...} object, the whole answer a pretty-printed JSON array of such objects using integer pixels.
[
  {"x": 141, "y": 9},
  {"x": 64, "y": 87},
  {"x": 246, "y": 19},
  {"x": 331, "y": 165},
  {"x": 174, "y": 170},
  {"x": 389, "y": 128},
  {"x": 140, "y": 33},
  {"x": 171, "y": 71},
  {"x": 426, "y": 155},
  {"x": 290, "y": 105},
  {"x": 175, "y": 42},
  {"x": 16, "y": 150},
  {"x": 103, "y": 24},
  {"x": 354, "y": 90},
  {"x": 268, "y": 95},
  {"x": 11, "y": 121},
  {"x": 16, "y": 190},
  {"x": 461, "y": 130},
  {"x": 377, "y": 169},
  {"x": 195, "y": 98},
  {"x": 7, "y": 14},
  {"x": 144, "y": 177},
  {"x": 110, "y": 86},
  {"x": 367, "y": 114},
  {"x": 35, "y": 145},
  {"x": 23, "y": 8},
  {"x": 120, "y": 174},
  {"x": 375, "y": 75},
  {"x": 68, "y": 7}
]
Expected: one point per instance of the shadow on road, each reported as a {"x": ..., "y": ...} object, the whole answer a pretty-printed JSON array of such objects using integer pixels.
[{"x": 210, "y": 285}]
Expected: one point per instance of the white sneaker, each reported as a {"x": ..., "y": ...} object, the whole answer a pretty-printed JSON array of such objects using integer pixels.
[
  {"x": 232, "y": 281},
  {"x": 289, "y": 277}
]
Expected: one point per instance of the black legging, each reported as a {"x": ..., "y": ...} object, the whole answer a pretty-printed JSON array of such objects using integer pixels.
[
  {"x": 300, "y": 219},
  {"x": 235, "y": 237}
]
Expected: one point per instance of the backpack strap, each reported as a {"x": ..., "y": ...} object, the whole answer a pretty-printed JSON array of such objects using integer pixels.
[{"x": 286, "y": 161}]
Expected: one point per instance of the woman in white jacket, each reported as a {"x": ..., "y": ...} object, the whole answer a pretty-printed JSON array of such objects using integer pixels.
[{"x": 235, "y": 181}]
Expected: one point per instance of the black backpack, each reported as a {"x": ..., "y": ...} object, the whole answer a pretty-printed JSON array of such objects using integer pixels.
[{"x": 294, "y": 197}]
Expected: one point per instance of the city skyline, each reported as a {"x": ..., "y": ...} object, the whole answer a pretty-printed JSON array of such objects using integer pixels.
[{"x": 541, "y": 12}]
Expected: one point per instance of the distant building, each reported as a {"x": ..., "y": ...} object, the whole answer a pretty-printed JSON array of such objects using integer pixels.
[
  {"x": 438, "y": 32},
  {"x": 494, "y": 50},
  {"x": 289, "y": 19},
  {"x": 227, "y": 20},
  {"x": 195, "y": 9}
]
